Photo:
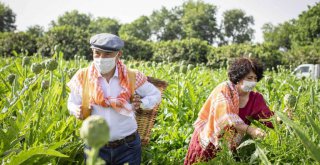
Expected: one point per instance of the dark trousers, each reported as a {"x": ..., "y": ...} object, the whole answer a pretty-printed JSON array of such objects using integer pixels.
[{"x": 129, "y": 152}]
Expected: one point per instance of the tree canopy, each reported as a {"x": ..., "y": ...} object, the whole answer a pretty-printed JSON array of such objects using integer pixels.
[
  {"x": 73, "y": 18},
  {"x": 7, "y": 19},
  {"x": 198, "y": 20},
  {"x": 237, "y": 26}
]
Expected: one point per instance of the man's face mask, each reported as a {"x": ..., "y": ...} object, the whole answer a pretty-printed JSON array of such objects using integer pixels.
[
  {"x": 248, "y": 86},
  {"x": 104, "y": 65}
]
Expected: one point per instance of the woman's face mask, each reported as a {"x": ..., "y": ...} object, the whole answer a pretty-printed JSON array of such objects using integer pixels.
[
  {"x": 248, "y": 86},
  {"x": 104, "y": 65}
]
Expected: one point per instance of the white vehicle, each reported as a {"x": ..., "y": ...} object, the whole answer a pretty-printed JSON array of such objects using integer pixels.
[{"x": 307, "y": 71}]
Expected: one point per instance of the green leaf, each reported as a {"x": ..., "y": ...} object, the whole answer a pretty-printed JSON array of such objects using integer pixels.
[
  {"x": 309, "y": 145},
  {"x": 314, "y": 126},
  {"x": 245, "y": 143},
  {"x": 254, "y": 156},
  {"x": 27, "y": 154},
  {"x": 262, "y": 155}
]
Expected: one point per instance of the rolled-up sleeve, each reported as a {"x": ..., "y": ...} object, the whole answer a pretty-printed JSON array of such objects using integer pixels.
[
  {"x": 74, "y": 102},
  {"x": 150, "y": 95}
]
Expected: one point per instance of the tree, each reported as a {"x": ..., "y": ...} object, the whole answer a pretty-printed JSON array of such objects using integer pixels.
[
  {"x": 199, "y": 21},
  {"x": 20, "y": 42},
  {"x": 73, "y": 18},
  {"x": 73, "y": 41},
  {"x": 281, "y": 35},
  {"x": 139, "y": 29},
  {"x": 104, "y": 25},
  {"x": 165, "y": 24},
  {"x": 236, "y": 26},
  {"x": 7, "y": 19},
  {"x": 308, "y": 26},
  {"x": 36, "y": 31}
]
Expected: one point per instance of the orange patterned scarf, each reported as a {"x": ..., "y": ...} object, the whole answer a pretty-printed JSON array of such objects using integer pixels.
[
  {"x": 219, "y": 111},
  {"x": 119, "y": 103}
]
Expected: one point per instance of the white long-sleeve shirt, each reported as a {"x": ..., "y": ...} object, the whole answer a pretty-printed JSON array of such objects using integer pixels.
[{"x": 120, "y": 125}]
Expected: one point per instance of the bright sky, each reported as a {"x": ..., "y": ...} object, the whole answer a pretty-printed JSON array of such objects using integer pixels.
[{"x": 42, "y": 12}]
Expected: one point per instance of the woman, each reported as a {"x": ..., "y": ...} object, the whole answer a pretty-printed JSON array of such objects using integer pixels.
[{"x": 227, "y": 111}]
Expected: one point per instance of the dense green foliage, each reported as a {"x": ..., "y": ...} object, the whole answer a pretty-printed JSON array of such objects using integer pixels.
[
  {"x": 187, "y": 32},
  {"x": 236, "y": 26},
  {"x": 36, "y": 127},
  {"x": 20, "y": 42},
  {"x": 138, "y": 29},
  {"x": 299, "y": 37},
  {"x": 7, "y": 19}
]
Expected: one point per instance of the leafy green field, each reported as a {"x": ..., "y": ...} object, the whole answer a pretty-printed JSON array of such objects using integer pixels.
[{"x": 36, "y": 127}]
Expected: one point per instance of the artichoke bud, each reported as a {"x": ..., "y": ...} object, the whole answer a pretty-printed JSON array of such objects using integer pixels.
[
  {"x": 45, "y": 84},
  {"x": 289, "y": 100},
  {"x": 71, "y": 72},
  {"x": 51, "y": 65},
  {"x": 176, "y": 69},
  {"x": 43, "y": 64},
  {"x": 183, "y": 69},
  {"x": 95, "y": 131},
  {"x": 11, "y": 78},
  {"x": 36, "y": 68},
  {"x": 25, "y": 61},
  {"x": 149, "y": 64}
]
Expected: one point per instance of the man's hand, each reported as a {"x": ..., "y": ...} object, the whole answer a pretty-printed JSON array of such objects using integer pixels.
[
  {"x": 79, "y": 112},
  {"x": 136, "y": 101}
]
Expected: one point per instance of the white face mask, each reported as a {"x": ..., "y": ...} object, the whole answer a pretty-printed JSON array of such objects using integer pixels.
[
  {"x": 104, "y": 65},
  {"x": 248, "y": 86}
]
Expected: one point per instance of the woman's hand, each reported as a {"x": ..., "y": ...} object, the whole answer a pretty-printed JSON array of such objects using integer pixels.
[
  {"x": 256, "y": 132},
  {"x": 136, "y": 101}
]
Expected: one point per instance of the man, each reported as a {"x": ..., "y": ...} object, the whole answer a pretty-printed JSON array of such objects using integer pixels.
[{"x": 110, "y": 92}]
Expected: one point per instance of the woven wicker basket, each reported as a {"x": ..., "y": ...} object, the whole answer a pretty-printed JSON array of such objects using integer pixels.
[{"x": 146, "y": 118}]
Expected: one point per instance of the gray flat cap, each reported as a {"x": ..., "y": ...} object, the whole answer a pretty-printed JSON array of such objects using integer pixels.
[{"x": 106, "y": 42}]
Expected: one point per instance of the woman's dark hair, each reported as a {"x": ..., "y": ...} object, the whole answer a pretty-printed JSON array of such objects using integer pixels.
[{"x": 243, "y": 66}]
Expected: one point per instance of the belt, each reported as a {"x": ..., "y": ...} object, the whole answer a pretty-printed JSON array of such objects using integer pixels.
[{"x": 117, "y": 143}]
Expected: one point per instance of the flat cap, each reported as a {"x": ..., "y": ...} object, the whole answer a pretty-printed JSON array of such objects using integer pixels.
[{"x": 106, "y": 42}]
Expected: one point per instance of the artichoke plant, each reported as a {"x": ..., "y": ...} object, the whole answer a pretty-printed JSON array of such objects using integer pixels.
[
  {"x": 95, "y": 133},
  {"x": 71, "y": 72},
  {"x": 149, "y": 64},
  {"x": 183, "y": 69},
  {"x": 289, "y": 102},
  {"x": 176, "y": 69},
  {"x": 11, "y": 78},
  {"x": 36, "y": 68},
  {"x": 45, "y": 84},
  {"x": 25, "y": 61},
  {"x": 51, "y": 65}
]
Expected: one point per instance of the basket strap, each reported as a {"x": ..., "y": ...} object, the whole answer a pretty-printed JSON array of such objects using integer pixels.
[
  {"x": 132, "y": 81},
  {"x": 85, "y": 94}
]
